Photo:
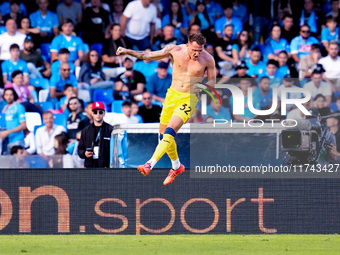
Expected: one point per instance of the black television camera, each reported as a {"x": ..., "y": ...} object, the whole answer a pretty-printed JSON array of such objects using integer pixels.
[{"x": 304, "y": 143}]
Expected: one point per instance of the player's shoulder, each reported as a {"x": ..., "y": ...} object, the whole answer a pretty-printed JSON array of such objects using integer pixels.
[
  {"x": 173, "y": 47},
  {"x": 208, "y": 58}
]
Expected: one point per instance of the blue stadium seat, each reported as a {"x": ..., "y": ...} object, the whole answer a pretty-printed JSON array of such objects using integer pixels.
[
  {"x": 36, "y": 162},
  {"x": 333, "y": 107},
  {"x": 60, "y": 119},
  {"x": 32, "y": 119},
  {"x": 2, "y": 120},
  {"x": 140, "y": 119},
  {"x": 103, "y": 95},
  {"x": 336, "y": 94},
  {"x": 36, "y": 128},
  {"x": 46, "y": 105},
  {"x": 117, "y": 106},
  {"x": 40, "y": 82},
  {"x": 46, "y": 51},
  {"x": 260, "y": 46},
  {"x": 34, "y": 95},
  {"x": 98, "y": 47},
  {"x": 157, "y": 103}
]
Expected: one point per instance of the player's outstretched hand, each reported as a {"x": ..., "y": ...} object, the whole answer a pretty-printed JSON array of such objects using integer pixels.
[
  {"x": 197, "y": 88},
  {"x": 121, "y": 50}
]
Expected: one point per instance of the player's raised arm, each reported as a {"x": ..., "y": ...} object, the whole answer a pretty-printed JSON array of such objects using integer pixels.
[
  {"x": 211, "y": 72},
  {"x": 153, "y": 55}
]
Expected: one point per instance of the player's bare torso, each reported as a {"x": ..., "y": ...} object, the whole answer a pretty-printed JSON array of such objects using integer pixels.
[{"x": 186, "y": 71}]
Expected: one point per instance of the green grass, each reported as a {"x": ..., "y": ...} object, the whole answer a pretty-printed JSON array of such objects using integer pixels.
[{"x": 174, "y": 244}]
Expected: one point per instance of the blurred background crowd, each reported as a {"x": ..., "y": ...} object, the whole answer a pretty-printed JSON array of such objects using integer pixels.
[{"x": 57, "y": 57}]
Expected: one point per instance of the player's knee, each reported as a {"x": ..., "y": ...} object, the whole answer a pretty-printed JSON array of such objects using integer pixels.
[{"x": 170, "y": 131}]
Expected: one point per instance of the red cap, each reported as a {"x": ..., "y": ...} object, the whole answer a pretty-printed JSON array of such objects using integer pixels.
[{"x": 98, "y": 105}]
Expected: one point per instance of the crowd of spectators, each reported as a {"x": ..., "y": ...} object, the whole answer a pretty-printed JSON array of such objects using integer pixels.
[{"x": 64, "y": 53}]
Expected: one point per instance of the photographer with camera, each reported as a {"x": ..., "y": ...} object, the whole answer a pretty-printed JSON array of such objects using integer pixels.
[
  {"x": 94, "y": 144},
  {"x": 310, "y": 142}
]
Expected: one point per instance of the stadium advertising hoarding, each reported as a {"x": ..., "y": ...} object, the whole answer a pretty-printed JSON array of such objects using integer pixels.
[{"x": 122, "y": 201}]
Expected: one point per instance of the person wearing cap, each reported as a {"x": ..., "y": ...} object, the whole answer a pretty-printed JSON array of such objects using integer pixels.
[
  {"x": 228, "y": 18},
  {"x": 159, "y": 82},
  {"x": 37, "y": 66},
  {"x": 241, "y": 71},
  {"x": 318, "y": 86},
  {"x": 94, "y": 143},
  {"x": 13, "y": 64},
  {"x": 130, "y": 81}
]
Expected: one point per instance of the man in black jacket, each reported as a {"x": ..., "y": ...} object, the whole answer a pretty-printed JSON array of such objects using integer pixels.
[{"x": 94, "y": 144}]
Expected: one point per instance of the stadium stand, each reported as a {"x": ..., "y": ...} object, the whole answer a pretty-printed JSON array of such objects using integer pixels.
[{"x": 295, "y": 30}]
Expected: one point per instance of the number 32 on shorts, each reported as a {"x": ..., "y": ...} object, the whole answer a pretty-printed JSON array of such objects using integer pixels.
[{"x": 186, "y": 109}]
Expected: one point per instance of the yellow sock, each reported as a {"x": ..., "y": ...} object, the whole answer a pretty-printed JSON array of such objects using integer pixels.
[
  {"x": 172, "y": 151},
  {"x": 163, "y": 146}
]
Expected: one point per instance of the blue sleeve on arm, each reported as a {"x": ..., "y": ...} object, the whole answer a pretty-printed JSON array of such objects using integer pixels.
[
  {"x": 21, "y": 113},
  {"x": 55, "y": 43},
  {"x": 53, "y": 81},
  {"x": 324, "y": 35}
]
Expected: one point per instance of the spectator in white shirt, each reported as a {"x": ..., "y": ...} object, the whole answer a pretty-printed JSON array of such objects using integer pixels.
[
  {"x": 138, "y": 23},
  {"x": 331, "y": 64},
  {"x": 9, "y": 38},
  {"x": 318, "y": 86},
  {"x": 124, "y": 118},
  {"x": 45, "y": 135}
]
